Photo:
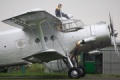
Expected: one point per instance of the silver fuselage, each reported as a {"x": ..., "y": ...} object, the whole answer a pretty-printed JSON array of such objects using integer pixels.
[{"x": 17, "y": 44}]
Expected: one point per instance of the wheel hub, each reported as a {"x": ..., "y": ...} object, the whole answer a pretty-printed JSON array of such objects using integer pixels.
[{"x": 74, "y": 73}]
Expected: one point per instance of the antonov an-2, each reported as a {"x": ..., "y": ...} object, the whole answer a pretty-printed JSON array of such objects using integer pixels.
[{"x": 42, "y": 37}]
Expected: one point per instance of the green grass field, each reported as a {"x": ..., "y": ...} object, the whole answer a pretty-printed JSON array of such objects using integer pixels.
[{"x": 36, "y": 71}]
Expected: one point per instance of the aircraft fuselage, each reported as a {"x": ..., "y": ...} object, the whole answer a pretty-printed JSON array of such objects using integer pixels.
[{"x": 17, "y": 43}]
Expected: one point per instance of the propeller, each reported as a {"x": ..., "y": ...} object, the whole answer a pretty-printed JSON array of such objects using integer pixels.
[{"x": 113, "y": 35}]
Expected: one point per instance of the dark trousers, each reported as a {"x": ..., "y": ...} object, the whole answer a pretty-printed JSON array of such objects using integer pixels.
[{"x": 63, "y": 15}]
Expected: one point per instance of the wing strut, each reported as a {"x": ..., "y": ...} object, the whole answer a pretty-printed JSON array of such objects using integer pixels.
[{"x": 40, "y": 32}]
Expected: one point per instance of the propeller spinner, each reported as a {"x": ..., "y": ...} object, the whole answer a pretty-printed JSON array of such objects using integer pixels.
[{"x": 113, "y": 35}]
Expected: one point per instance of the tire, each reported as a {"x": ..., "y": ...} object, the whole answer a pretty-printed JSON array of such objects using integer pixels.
[
  {"x": 74, "y": 73},
  {"x": 83, "y": 71}
]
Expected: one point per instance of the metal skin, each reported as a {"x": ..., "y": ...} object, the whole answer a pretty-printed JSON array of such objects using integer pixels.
[
  {"x": 41, "y": 34},
  {"x": 17, "y": 44},
  {"x": 99, "y": 31}
]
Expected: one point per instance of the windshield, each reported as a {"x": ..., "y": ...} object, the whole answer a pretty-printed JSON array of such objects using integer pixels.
[{"x": 70, "y": 25}]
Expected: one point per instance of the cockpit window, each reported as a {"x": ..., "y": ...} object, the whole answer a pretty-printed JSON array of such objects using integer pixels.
[{"x": 70, "y": 25}]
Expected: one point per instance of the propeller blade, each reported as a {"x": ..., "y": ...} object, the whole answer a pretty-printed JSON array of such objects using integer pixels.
[
  {"x": 113, "y": 35},
  {"x": 111, "y": 25},
  {"x": 115, "y": 44}
]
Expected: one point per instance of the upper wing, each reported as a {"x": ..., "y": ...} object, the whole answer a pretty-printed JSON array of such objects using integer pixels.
[
  {"x": 33, "y": 19},
  {"x": 30, "y": 18}
]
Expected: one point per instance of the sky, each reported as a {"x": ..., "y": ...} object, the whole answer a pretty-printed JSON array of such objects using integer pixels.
[{"x": 88, "y": 11}]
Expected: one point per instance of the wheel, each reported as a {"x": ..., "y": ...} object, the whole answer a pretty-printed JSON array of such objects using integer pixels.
[
  {"x": 74, "y": 73},
  {"x": 83, "y": 71}
]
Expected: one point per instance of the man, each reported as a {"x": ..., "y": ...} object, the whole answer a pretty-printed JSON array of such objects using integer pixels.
[{"x": 58, "y": 12}]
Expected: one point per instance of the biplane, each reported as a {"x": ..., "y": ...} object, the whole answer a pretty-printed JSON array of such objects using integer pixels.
[{"x": 40, "y": 37}]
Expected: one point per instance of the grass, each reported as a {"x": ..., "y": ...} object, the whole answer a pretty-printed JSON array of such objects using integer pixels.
[
  {"x": 104, "y": 75},
  {"x": 48, "y": 76},
  {"x": 35, "y": 76},
  {"x": 37, "y": 71}
]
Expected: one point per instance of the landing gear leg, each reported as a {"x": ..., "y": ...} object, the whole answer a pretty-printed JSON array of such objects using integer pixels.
[{"x": 74, "y": 72}]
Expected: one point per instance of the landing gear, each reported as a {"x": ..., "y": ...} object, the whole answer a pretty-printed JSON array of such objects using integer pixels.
[
  {"x": 71, "y": 61},
  {"x": 83, "y": 71},
  {"x": 74, "y": 73}
]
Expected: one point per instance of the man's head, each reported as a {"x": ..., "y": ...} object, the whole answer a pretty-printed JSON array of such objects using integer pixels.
[{"x": 59, "y": 5}]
